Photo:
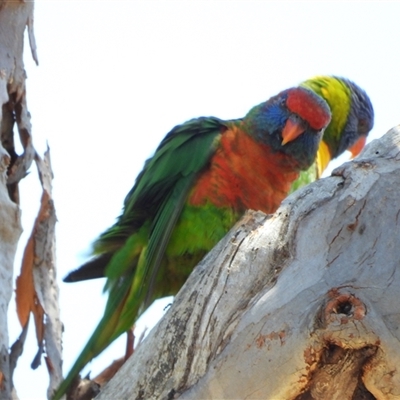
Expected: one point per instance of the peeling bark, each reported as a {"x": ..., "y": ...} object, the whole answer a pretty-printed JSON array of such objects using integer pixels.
[
  {"x": 299, "y": 305},
  {"x": 44, "y": 279},
  {"x": 10, "y": 231},
  {"x": 37, "y": 290},
  {"x": 15, "y": 16}
]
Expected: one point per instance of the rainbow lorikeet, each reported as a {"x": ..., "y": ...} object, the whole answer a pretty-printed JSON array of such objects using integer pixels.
[
  {"x": 352, "y": 120},
  {"x": 202, "y": 178}
]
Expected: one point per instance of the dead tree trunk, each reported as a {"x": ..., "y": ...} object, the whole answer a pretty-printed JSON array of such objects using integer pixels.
[
  {"x": 36, "y": 288},
  {"x": 303, "y": 304}
]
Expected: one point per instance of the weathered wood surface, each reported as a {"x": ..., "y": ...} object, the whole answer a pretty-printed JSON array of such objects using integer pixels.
[
  {"x": 37, "y": 290},
  {"x": 14, "y": 17},
  {"x": 301, "y": 305},
  {"x": 10, "y": 231}
]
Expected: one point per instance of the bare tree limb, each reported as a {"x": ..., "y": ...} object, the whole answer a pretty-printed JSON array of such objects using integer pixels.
[
  {"x": 45, "y": 276},
  {"x": 10, "y": 231},
  {"x": 37, "y": 290},
  {"x": 15, "y": 16}
]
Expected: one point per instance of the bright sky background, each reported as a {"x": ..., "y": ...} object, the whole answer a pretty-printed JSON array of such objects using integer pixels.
[{"x": 116, "y": 76}]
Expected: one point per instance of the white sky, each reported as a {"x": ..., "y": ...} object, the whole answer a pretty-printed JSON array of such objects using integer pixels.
[{"x": 116, "y": 76}]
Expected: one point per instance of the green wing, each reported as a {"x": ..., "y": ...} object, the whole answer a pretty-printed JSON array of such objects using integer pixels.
[
  {"x": 138, "y": 240},
  {"x": 305, "y": 178},
  {"x": 151, "y": 211},
  {"x": 180, "y": 156}
]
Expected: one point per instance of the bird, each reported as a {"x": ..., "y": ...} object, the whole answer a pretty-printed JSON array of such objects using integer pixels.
[
  {"x": 200, "y": 181},
  {"x": 352, "y": 120}
]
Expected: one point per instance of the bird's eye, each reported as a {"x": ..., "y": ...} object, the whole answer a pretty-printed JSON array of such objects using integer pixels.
[
  {"x": 362, "y": 126},
  {"x": 296, "y": 117}
]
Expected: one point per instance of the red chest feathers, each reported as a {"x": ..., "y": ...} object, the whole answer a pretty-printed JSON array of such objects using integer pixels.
[{"x": 243, "y": 174}]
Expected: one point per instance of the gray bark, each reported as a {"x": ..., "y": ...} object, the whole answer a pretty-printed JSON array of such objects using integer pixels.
[
  {"x": 10, "y": 231},
  {"x": 13, "y": 19},
  {"x": 303, "y": 304},
  {"x": 37, "y": 290},
  {"x": 15, "y": 16}
]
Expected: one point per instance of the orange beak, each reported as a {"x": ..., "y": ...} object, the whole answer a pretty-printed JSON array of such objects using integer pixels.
[
  {"x": 357, "y": 146},
  {"x": 291, "y": 131}
]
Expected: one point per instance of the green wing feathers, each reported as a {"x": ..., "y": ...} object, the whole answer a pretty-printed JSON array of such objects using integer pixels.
[
  {"x": 130, "y": 252},
  {"x": 182, "y": 153},
  {"x": 305, "y": 178}
]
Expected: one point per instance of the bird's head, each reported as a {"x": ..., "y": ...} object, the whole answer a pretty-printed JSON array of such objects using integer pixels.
[
  {"x": 359, "y": 122},
  {"x": 291, "y": 123},
  {"x": 352, "y": 117}
]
